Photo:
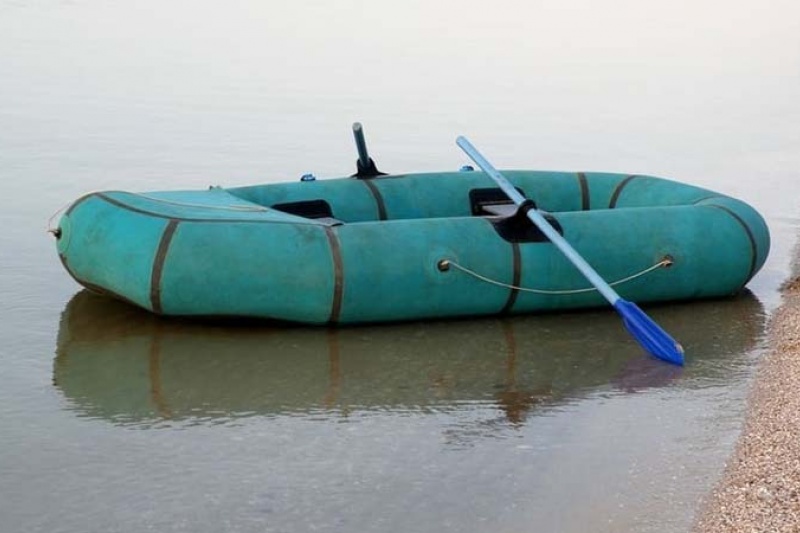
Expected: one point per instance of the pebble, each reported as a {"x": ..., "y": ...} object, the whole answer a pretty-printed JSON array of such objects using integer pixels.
[{"x": 760, "y": 488}]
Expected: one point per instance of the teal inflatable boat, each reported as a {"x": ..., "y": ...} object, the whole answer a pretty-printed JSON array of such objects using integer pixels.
[{"x": 375, "y": 247}]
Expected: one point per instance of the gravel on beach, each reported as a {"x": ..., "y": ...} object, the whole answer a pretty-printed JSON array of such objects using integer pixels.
[{"x": 760, "y": 489}]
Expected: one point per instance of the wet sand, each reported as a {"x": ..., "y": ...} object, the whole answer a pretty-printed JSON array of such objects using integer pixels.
[{"x": 760, "y": 489}]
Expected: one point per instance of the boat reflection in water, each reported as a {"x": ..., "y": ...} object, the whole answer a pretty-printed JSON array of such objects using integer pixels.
[{"x": 118, "y": 363}]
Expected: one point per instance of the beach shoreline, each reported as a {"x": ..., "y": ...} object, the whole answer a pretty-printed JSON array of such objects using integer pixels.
[{"x": 760, "y": 488}]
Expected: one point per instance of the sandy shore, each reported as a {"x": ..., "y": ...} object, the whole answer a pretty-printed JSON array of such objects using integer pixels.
[{"x": 760, "y": 489}]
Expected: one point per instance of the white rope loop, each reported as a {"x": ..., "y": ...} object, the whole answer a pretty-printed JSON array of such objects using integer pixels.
[{"x": 444, "y": 265}]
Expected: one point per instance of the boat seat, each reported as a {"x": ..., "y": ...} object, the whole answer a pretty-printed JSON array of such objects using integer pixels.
[
  {"x": 318, "y": 210},
  {"x": 492, "y": 202},
  {"x": 500, "y": 210}
]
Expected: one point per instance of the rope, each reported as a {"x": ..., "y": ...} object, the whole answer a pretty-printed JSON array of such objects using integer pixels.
[
  {"x": 445, "y": 263},
  {"x": 50, "y": 228}
]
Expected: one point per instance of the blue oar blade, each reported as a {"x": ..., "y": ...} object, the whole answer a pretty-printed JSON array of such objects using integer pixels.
[{"x": 649, "y": 334}]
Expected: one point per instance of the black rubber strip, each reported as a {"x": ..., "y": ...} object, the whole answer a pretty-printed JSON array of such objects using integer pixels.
[
  {"x": 753, "y": 245},
  {"x": 338, "y": 275},
  {"x": 621, "y": 185},
  {"x": 78, "y": 201},
  {"x": 158, "y": 265},
  {"x": 97, "y": 289},
  {"x": 378, "y": 198},
  {"x": 584, "y": 191}
]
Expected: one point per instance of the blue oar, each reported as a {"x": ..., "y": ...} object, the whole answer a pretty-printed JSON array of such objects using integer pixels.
[{"x": 649, "y": 334}]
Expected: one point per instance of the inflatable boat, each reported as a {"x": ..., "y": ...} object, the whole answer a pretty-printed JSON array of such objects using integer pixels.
[{"x": 375, "y": 247}]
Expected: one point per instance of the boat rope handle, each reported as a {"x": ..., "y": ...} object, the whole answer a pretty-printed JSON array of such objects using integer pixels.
[
  {"x": 50, "y": 228},
  {"x": 445, "y": 264}
]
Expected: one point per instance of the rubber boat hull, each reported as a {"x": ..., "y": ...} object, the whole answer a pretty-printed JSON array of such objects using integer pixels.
[{"x": 406, "y": 247}]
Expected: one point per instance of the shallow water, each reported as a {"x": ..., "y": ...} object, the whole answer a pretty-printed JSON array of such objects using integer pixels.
[{"x": 116, "y": 421}]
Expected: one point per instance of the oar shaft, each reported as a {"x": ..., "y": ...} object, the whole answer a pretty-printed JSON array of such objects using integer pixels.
[
  {"x": 579, "y": 262},
  {"x": 487, "y": 167},
  {"x": 542, "y": 223}
]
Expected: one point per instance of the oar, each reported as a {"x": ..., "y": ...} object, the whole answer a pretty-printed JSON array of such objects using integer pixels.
[{"x": 649, "y": 334}]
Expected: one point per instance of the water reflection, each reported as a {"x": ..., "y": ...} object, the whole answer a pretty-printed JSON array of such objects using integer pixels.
[{"x": 118, "y": 363}]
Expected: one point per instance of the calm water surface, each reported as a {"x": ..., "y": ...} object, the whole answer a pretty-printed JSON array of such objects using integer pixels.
[{"x": 116, "y": 421}]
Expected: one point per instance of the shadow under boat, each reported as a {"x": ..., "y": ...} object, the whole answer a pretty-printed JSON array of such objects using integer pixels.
[{"x": 121, "y": 364}]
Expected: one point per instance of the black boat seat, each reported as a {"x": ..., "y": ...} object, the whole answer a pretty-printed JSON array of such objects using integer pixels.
[
  {"x": 318, "y": 210},
  {"x": 500, "y": 210}
]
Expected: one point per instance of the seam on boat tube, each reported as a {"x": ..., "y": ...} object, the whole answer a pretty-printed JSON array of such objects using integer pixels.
[
  {"x": 158, "y": 265},
  {"x": 618, "y": 190},
  {"x": 97, "y": 289},
  {"x": 750, "y": 236},
  {"x": 338, "y": 275},
  {"x": 584, "y": 185},
  {"x": 381, "y": 205}
]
